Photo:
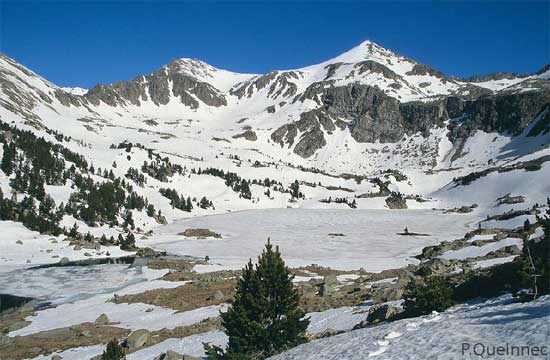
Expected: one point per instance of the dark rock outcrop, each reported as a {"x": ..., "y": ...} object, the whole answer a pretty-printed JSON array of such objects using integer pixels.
[
  {"x": 249, "y": 135},
  {"x": 159, "y": 87}
]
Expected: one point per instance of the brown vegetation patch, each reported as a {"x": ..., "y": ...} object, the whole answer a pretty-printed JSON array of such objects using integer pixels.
[
  {"x": 186, "y": 297},
  {"x": 47, "y": 342},
  {"x": 200, "y": 233}
]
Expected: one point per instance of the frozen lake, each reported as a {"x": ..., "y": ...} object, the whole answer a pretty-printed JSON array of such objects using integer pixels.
[
  {"x": 69, "y": 283},
  {"x": 370, "y": 236}
]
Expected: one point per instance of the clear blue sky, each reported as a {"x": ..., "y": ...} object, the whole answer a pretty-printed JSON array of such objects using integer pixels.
[{"x": 81, "y": 43}]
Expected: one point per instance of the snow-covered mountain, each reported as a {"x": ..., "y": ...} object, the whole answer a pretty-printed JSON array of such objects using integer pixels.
[
  {"x": 112, "y": 170},
  {"x": 367, "y": 113}
]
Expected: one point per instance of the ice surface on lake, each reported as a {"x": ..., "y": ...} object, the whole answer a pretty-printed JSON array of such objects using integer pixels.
[
  {"x": 371, "y": 236},
  {"x": 69, "y": 283}
]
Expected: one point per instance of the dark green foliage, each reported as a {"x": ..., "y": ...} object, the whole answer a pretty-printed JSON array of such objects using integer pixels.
[
  {"x": 151, "y": 210},
  {"x": 113, "y": 351},
  {"x": 295, "y": 190},
  {"x": 515, "y": 276},
  {"x": 128, "y": 243},
  {"x": 534, "y": 263},
  {"x": 434, "y": 295},
  {"x": 176, "y": 200},
  {"x": 205, "y": 203},
  {"x": 8, "y": 158},
  {"x": 97, "y": 202},
  {"x": 489, "y": 283},
  {"x": 45, "y": 156},
  {"x": 136, "y": 176},
  {"x": 265, "y": 318},
  {"x": 45, "y": 220},
  {"x": 245, "y": 190},
  {"x": 161, "y": 169}
]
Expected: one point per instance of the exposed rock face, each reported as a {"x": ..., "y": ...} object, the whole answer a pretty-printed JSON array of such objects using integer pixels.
[
  {"x": 505, "y": 113},
  {"x": 373, "y": 66},
  {"x": 249, "y": 135},
  {"x": 312, "y": 137},
  {"x": 421, "y": 69},
  {"x": 280, "y": 84},
  {"x": 158, "y": 86},
  {"x": 374, "y": 116},
  {"x": 310, "y": 142},
  {"x": 396, "y": 201}
]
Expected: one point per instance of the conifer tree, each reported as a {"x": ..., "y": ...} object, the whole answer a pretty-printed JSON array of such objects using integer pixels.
[
  {"x": 245, "y": 190},
  {"x": 295, "y": 189},
  {"x": 113, "y": 351},
  {"x": 8, "y": 159},
  {"x": 265, "y": 318}
]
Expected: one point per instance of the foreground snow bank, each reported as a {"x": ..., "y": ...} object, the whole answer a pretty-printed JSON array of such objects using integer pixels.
[{"x": 493, "y": 323}]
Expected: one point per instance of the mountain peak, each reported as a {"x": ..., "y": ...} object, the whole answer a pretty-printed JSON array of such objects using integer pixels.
[{"x": 366, "y": 50}]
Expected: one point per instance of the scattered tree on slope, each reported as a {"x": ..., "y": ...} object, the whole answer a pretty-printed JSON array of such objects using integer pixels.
[
  {"x": 265, "y": 318},
  {"x": 113, "y": 351}
]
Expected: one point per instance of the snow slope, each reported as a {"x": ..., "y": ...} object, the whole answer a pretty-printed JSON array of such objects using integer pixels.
[{"x": 495, "y": 322}]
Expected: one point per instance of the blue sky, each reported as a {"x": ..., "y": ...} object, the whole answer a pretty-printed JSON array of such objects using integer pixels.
[{"x": 81, "y": 43}]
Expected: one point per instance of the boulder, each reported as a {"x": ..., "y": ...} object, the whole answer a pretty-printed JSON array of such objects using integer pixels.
[
  {"x": 387, "y": 292},
  {"x": 329, "y": 284},
  {"x": 56, "y": 357},
  {"x": 138, "y": 339},
  {"x": 19, "y": 242},
  {"x": 64, "y": 260},
  {"x": 170, "y": 355},
  {"x": 383, "y": 312},
  {"x": 102, "y": 320}
]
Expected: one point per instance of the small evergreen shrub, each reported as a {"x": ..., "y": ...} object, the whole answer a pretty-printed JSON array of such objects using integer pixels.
[
  {"x": 434, "y": 295},
  {"x": 113, "y": 351}
]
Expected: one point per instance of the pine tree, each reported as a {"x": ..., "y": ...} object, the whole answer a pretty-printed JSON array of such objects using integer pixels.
[
  {"x": 8, "y": 159},
  {"x": 113, "y": 351},
  {"x": 265, "y": 318},
  {"x": 295, "y": 189},
  {"x": 245, "y": 190},
  {"x": 74, "y": 231}
]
